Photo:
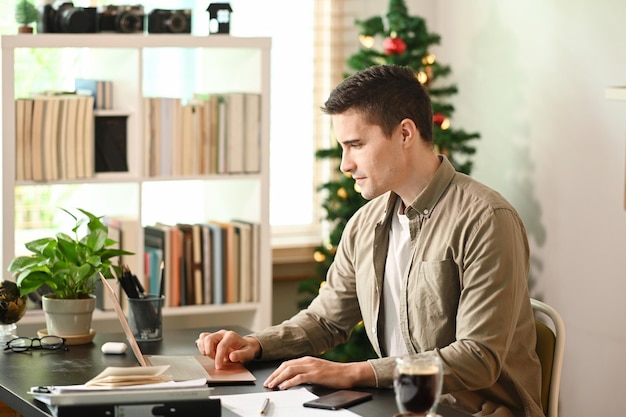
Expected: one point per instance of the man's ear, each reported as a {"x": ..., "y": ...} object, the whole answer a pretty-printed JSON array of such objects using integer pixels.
[{"x": 409, "y": 131}]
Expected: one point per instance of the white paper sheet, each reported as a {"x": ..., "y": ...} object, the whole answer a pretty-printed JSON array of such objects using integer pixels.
[
  {"x": 60, "y": 389},
  {"x": 282, "y": 404}
]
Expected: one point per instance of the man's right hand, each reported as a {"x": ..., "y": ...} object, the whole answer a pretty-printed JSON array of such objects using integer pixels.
[{"x": 226, "y": 346}]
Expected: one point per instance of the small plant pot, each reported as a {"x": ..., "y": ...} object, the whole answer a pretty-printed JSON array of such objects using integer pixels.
[
  {"x": 68, "y": 318},
  {"x": 25, "y": 29}
]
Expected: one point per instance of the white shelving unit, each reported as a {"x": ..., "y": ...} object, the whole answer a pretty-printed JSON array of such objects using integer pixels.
[{"x": 151, "y": 65}]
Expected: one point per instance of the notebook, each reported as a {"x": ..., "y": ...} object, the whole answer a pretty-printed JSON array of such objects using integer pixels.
[{"x": 182, "y": 367}]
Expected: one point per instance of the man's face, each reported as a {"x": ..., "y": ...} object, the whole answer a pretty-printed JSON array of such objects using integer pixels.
[{"x": 374, "y": 160}]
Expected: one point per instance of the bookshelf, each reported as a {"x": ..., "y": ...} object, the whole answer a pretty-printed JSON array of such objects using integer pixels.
[{"x": 141, "y": 66}]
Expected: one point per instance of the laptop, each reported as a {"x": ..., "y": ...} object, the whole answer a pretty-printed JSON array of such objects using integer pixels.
[{"x": 182, "y": 367}]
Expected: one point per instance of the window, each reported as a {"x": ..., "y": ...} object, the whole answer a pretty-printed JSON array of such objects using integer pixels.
[{"x": 292, "y": 162}]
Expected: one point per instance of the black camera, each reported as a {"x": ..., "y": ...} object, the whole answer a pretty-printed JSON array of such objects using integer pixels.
[
  {"x": 169, "y": 21},
  {"x": 67, "y": 19},
  {"x": 122, "y": 19}
]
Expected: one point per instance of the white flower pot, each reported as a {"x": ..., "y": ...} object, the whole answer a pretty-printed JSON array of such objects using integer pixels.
[{"x": 68, "y": 317}]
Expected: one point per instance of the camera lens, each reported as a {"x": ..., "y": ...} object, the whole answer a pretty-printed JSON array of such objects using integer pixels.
[
  {"x": 177, "y": 23},
  {"x": 73, "y": 21},
  {"x": 128, "y": 23}
]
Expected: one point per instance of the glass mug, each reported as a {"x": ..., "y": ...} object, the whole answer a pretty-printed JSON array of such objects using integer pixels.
[{"x": 417, "y": 383}]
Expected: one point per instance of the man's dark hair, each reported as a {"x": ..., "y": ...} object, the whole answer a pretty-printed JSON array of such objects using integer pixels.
[{"x": 384, "y": 95}]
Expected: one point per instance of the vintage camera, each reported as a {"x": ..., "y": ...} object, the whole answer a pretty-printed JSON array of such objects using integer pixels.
[
  {"x": 67, "y": 19},
  {"x": 122, "y": 19},
  {"x": 169, "y": 21}
]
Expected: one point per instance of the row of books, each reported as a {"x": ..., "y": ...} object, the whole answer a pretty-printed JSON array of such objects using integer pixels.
[
  {"x": 209, "y": 263},
  {"x": 54, "y": 137},
  {"x": 101, "y": 90},
  {"x": 211, "y": 134}
]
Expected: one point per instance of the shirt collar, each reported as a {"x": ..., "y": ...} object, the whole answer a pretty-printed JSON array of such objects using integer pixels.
[{"x": 425, "y": 202}]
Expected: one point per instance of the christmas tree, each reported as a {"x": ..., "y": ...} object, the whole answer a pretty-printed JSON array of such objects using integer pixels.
[{"x": 405, "y": 41}]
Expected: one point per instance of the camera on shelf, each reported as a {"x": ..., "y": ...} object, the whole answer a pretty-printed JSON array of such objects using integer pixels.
[
  {"x": 122, "y": 19},
  {"x": 67, "y": 19},
  {"x": 169, "y": 21}
]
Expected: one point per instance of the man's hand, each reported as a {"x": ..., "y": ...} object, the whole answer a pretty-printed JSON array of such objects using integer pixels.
[
  {"x": 310, "y": 370},
  {"x": 227, "y": 346}
]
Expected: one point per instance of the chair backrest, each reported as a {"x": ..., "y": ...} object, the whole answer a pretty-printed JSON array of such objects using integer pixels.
[{"x": 550, "y": 349}]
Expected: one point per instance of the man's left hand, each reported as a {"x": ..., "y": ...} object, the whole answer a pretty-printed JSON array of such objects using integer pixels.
[{"x": 311, "y": 370}]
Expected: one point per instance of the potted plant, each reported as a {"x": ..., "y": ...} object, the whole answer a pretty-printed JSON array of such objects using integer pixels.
[
  {"x": 25, "y": 14},
  {"x": 69, "y": 266}
]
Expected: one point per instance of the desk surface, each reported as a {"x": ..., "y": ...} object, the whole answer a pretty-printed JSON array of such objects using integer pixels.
[{"x": 20, "y": 371}]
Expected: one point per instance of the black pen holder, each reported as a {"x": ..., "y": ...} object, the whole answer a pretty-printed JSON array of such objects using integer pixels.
[{"x": 145, "y": 317}]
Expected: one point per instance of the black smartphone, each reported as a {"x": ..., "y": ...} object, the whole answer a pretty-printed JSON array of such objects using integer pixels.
[{"x": 339, "y": 399}]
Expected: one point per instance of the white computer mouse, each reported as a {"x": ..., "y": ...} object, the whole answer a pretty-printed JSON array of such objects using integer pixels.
[{"x": 114, "y": 348}]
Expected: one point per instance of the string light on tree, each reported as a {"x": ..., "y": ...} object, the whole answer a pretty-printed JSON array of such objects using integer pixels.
[{"x": 366, "y": 41}]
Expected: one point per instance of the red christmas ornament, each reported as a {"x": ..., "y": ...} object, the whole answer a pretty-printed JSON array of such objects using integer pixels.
[
  {"x": 438, "y": 118},
  {"x": 394, "y": 46}
]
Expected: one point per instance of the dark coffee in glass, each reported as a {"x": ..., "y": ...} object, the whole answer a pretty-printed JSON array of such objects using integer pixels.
[{"x": 417, "y": 383}]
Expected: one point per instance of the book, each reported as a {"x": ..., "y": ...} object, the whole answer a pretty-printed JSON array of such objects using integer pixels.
[
  {"x": 187, "y": 275},
  {"x": 36, "y": 154},
  {"x": 62, "y": 137},
  {"x": 167, "y": 129},
  {"x": 123, "y": 230},
  {"x": 207, "y": 265},
  {"x": 100, "y": 90},
  {"x": 108, "y": 95},
  {"x": 70, "y": 141},
  {"x": 152, "y": 269},
  {"x": 252, "y": 146},
  {"x": 176, "y": 155},
  {"x": 227, "y": 243},
  {"x": 28, "y": 136},
  {"x": 147, "y": 135},
  {"x": 186, "y": 141},
  {"x": 212, "y": 113},
  {"x": 197, "y": 268},
  {"x": 167, "y": 261},
  {"x": 221, "y": 136},
  {"x": 235, "y": 133},
  {"x": 89, "y": 138},
  {"x": 155, "y": 136},
  {"x": 218, "y": 259},
  {"x": 85, "y": 86},
  {"x": 79, "y": 148},
  {"x": 111, "y": 144},
  {"x": 156, "y": 238},
  {"x": 50, "y": 139},
  {"x": 20, "y": 124},
  {"x": 196, "y": 137},
  {"x": 245, "y": 259},
  {"x": 175, "y": 266}
]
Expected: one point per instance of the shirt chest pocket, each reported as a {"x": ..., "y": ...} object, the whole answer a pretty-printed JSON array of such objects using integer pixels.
[{"x": 433, "y": 292}]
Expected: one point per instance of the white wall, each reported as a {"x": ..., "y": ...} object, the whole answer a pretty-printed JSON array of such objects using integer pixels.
[{"x": 531, "y": 78}]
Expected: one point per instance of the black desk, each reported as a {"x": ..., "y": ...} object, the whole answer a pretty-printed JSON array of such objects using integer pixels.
[{"x": 20, "y": 371}]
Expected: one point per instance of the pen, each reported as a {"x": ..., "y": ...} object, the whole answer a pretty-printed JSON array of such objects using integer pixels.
[
  {"x": 265, "y": 406},
  {"x": 162, "y": 283}
]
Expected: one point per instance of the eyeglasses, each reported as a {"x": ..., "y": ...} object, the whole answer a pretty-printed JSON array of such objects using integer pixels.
[{"x": 22, "y": 344}]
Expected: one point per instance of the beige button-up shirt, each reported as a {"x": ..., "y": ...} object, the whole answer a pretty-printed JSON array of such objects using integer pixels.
[{"x": 466, "y": 296}]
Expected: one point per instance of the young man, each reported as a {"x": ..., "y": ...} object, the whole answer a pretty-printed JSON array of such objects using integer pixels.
[{"x": 434, "y": 262}]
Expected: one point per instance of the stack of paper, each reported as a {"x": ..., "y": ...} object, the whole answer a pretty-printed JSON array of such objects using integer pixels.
[{"x": 136, "y": 383}]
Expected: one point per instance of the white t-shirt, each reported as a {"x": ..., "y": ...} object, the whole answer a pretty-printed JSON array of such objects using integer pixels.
[{"x": 398, "y": 257}]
